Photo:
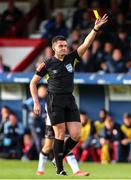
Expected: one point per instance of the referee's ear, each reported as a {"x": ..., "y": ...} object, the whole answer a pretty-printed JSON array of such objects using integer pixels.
[{"x": 53, "y": 48}]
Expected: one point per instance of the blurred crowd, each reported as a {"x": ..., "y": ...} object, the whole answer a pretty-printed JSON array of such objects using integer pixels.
[
  {"x": 102, "y": 140},
  {"x": 21, "y": 142},
  {"x": 111, "y": 50},
  {"x": 9, "y": 18}
]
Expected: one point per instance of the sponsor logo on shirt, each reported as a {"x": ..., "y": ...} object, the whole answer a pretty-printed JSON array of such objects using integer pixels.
[{"x": 55, "y": 71}]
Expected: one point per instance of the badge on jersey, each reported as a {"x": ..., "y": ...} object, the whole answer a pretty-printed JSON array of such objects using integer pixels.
[{"x": 69, "y": 68}]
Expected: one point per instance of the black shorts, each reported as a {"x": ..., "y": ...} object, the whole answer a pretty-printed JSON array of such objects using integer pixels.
[
  {"x": 62, "y": 108},
  {"x": 49, "y": 132}
]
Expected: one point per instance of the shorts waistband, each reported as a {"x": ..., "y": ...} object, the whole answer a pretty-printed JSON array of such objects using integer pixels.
[{"x": 66, "y": 93}]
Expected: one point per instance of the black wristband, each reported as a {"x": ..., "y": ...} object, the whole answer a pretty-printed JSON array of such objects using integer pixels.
[{"x": 96, "y": 30}]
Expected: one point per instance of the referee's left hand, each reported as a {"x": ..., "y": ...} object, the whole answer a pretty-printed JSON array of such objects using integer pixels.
[
  {"x": 37, "y": 108},
  {"x": 101, "y": 21}
]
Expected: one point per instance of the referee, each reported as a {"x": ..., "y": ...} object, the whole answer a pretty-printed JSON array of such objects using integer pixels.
[{"x": 61, "y": 105}]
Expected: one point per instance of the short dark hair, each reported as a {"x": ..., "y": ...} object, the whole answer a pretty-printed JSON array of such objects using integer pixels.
[
  {"x": 58, "y": 38},
  {"x": 82, "y": 112},
  {"x": 127, "y": 115},
  {"x": 13, "y": 114},
  {"x": 6, "y": 107}
]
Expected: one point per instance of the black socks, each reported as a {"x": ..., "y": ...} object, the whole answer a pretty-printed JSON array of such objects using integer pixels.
[
  {"x": 69, "y": 145},
  {"x": 58, "y": 153},
  {"x": 61, "y": 150}
]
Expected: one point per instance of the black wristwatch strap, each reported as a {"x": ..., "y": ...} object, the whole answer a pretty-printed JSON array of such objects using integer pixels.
[{"x": 95, "y": 30}]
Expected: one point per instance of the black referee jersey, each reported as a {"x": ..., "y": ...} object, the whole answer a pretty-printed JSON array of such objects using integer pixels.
[{"x": 59, "y": 74}]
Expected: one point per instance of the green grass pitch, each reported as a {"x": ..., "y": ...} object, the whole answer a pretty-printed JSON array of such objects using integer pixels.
[{"x": 10, "y": 169}]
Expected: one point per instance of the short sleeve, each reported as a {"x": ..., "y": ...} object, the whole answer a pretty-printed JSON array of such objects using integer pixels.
[
  {"x": 75, "y": 56},
  {"x": 41, "y": 70}
]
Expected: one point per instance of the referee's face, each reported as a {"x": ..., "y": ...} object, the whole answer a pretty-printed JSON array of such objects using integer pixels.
[{"x": 60, "y": 48}]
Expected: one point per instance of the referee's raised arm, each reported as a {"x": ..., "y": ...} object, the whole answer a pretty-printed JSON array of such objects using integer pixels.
[{"x": 91, "y": 36}]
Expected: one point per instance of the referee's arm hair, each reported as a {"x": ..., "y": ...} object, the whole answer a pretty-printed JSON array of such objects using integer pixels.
[{"x": 91, "y": 36}]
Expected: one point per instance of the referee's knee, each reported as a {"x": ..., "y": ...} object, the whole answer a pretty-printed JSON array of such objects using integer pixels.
[
  {"x": 60, "y": 135},
  {"x": 46, "y": 149},
  {"x": 75, "y": 136},
  {"x": 59, "y": 131}
]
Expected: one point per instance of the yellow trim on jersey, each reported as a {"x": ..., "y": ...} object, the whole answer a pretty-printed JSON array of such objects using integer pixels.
[
  {"x": 126, "y": 130},
  {"x": 85, "y": 131},
  {"x": 75, "y": 62},
  {"x": 47, "y": 76},
  {"x": 99, "y": 126}
]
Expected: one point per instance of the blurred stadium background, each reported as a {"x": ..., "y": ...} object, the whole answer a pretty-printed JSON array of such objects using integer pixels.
[{"x": 102, "y": 79}]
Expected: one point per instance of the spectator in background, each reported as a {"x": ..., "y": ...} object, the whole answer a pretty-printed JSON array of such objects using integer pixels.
[
  {"x": 56, "y": 26},
  {"x": 110, "y": 138},
  {"x": 126, "y": 141},
  {"x": 128, "y": 14},
  {"x": 78, "y": 14},
  {"x": 127, "y": 58},
  {"x": 122, "y": 40},
  {"x": 3, "y": 67},
  {"x": 10, "y": 17},
  {"x": 13, "y": 132},
  {"x": 86, "y": 64},
  {"x": 47, "y": 53},
  {"x": 74, "y": 37},
  {"x": 97, "y": 54},
  {"x": 85, "y": 22},
  {"x": 37, "y": 123},
  {"x": 116, "y": 64},
  {"x": 114, "y": 7},
  {"x": 120, "y": 22},
  {"x": 91, "y": 144},
  {"x": 95, "y": 4},
  {"x": 42, "y": 92},
  {"x": 29, "y": 150},
  {"x": 108, "y": 48},
  {"x": 5, "y": 111},
  {"x": 99, "y": 124},
  {"x": 81, "y": 150},
  {"x": 75, "y": 45}
]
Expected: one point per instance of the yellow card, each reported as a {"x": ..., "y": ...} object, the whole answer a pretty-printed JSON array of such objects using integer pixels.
[{"x": 96, "y": 14}]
